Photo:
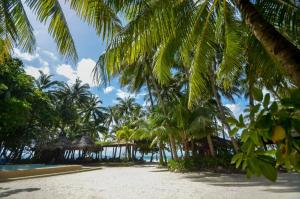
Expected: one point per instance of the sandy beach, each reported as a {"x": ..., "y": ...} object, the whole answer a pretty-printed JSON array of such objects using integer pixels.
[{"x": 150, "y": 183}]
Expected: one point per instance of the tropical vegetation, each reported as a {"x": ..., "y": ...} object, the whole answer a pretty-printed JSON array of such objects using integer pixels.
[{"x": 190, "y": 56}]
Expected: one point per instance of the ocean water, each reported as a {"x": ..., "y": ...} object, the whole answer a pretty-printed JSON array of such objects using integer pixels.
[
  {"x": 147, "y": 157},
  {"x": 23, "y": 167}
]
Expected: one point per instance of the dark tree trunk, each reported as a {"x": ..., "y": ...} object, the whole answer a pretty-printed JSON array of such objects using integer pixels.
[
  {"x": 161, "y": 159},
  {"x": 173, "y": 146},
  {"x": 210, "y": 145},
  {"x": 120, "y": 152},
  {"x": 287, "y": 54}
]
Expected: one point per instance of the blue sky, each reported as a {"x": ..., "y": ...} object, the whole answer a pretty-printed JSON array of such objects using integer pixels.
[{"x": 89, "y": 46}]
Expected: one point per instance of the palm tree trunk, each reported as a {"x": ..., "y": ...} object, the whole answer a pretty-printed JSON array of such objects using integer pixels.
[
  {"x": 210, "y": 145},
  {"x": 171, "y": 138},
  {"x": 173, "y": 146},
  {"x": 120, "y": 152},
  {"x": 161, "y": 159},
  {"x": 149, "y": 91},
  {"x": 165, "y": 156},
  {"x": 287, "y": 54},
  {"x": 220, "y": 107},
  {"x": 250, "y": 78},
  {"x": 186, "y": 146},
  {"x": 172, "y": 157}
]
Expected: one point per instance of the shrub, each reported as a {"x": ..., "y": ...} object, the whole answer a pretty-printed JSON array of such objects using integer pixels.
[{"x": 197, "y": 163}]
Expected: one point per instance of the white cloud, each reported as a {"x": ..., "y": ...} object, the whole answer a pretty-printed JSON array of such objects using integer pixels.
[
  {"x": 24, "y": 55},
  {"x": 43, "y": 62},
  {"x": 141, "y": 95},
  {"x": 146, "y": 103},
  {"x": 50, "y": 54},
  {"x": 237, "y": 109},
  {"x": 34, "y": 71},
  {"x": 123, "y": 94},
  {"x": 83, "y": 71},
  {"x": 67, "y": 71},
  {"x": 108, "y": 89}
]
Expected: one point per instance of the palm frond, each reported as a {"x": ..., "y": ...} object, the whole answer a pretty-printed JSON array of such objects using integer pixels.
[{"x": 58, "y": 27}]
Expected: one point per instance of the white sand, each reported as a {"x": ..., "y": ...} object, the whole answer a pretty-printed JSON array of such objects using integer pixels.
[{"x": 148, "y": 182}]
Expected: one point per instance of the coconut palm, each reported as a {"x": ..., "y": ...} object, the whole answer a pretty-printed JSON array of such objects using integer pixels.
[
  {"x": 44, "y": 82},
  {"x": 196, "y": 34}
]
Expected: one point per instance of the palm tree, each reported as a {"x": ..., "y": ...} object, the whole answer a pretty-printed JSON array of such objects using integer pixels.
[
  {"x": 44, "y": 82},
  {"x": 125, "y": 134},
  {"x": 200, "y": 26}
]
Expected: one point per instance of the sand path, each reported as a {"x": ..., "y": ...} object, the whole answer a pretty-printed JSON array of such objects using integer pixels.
[{"x": 141, "y": 182}]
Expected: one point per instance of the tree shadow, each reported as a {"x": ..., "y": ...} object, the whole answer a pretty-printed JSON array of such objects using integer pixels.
[
  {"x": 159, "y": 170},
  {"x": 16, "y": 191},
  {"x": 286, "y": 182}
]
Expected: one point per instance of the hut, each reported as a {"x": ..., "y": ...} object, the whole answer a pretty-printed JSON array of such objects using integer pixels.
[
  {"x": 84, "y": 147},
  {"x": 53, "y": 152}
]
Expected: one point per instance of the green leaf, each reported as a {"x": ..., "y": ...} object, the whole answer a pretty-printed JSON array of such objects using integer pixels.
[
  {"x": 237, "y": 157},
  {"x": 266, "y": 100},
  {"x": 241, "y": 120},
  {"x": 264, "y": 122},
  {"x": 255, "y": 109},
  {"x": 274, "y": 107},
  {"x": 257, "y": 94},
  {"x": 268, "y": 170},
  {"x": 233, "y": 132},
  {"x": 3, "y": 87},
  {"x": 254, "y": 137},
  {"x": 232, "y": 120}
]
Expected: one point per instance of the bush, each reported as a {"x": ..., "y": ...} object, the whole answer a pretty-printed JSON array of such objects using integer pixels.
[
  {"x": 181, "y": 165},
  {"x": 198, "y": 163}
]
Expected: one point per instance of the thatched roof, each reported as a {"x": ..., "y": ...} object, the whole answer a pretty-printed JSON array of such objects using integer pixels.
[
  {"x": 83, "y": 142},
  {"x": 60, "y": 143}
]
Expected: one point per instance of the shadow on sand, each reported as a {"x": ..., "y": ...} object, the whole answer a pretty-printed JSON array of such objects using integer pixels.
[
  {"x": 8, "y": 192},
  {"x": 285, "y": 182}
]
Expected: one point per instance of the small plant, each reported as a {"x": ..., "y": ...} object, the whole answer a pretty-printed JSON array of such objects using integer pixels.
[{"x": 269, "y": 132}]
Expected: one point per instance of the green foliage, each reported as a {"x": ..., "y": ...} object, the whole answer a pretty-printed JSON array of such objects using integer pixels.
[
  {"x": 270, "y": 139},
  {"x": 221, "y": 163},
  {"x": 181, "y": 165},
  {"x": 39, "y": 111}
]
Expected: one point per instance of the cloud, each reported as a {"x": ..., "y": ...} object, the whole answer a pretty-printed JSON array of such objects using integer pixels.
[
  {"x": 123, "y": 94},
  {"x": 34, "y": 71},
  {"x": 146, "y": 103},
  {"x": 108, "y": 89},
  {"x": 67, "y": 71},
  {"x": 237, "y": 109},
  {"x": 83, "y": 71},
  {"x": 141, "y": 95},
  {"x": 50, "y": 54},
  {"x": 24, "y": 55}
]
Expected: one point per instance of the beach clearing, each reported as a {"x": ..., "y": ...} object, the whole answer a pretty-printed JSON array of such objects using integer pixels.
[{"x": 149, "y": 182}]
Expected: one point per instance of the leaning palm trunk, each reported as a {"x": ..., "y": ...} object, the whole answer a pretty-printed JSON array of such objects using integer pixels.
[
  {"x": 186, "y": 146},
  {"x": 173, "y": 146},
  {"x": 221, "y": 108},
  {"x": 161, "y": 159},
  {"x": 171, "y": 138},
  {"x": 210, "y": 145},
  {"x": 275, "y": 44}
]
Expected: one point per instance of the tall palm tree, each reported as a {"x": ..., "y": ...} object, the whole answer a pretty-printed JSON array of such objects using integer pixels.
[
  {"x": 44, "y": 82},
  {"x": 193, "y": 35}
]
